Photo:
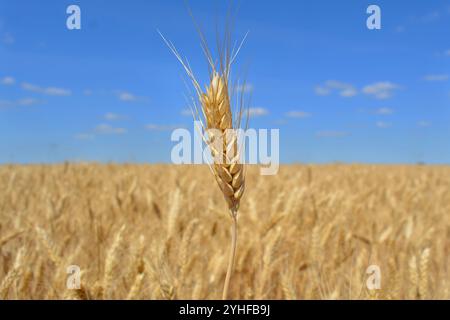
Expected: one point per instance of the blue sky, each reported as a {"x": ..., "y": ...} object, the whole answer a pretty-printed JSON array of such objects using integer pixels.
[{"x": 337, "y": 91}]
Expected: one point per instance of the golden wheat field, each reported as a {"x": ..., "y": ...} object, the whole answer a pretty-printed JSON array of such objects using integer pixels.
[{"x": 162, "y": 232}]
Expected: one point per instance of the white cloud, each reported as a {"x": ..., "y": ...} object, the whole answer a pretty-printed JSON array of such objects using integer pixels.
[
  {"x": 447, "y": 53},
  {"x": 322, "y": 91},
  {"x": 424, "y": 123},
  {"x": 344, "y": 89},
  {"x": 114, "y": 116},
  {"x": 27, "y": 101},
  {"x": 381, "y": 90},
  {"x": 108, "y": 129},
  {"x": 382, "y": 124},
  {"x": 385, "y": 111},
  {"x": 126, "y": 96},
  {"x": 332, "y": 134},
  {"x": 19, "y": 103},
  {"x": 400, "y": 29},
  {"x": 84, "y": 136},
  {"x": 53, "y": 91},
  {"x": 8, "y": 81},
  {"x": 50, "y": 91},
  {"x": 334, "y": 84},
  {"x": 158, "y": 127},
  {"x": 31, "y": 87},
  {"x": 87, "y": 92},
  {"x": 130, "y": 97},
  {"x": 257, "y": 112},
  {"x": 436, "y": 77},
  {"x": 349, "y": 92},
  {"x": 102, "y": 128},
  {"x": 298, "y": 114}
]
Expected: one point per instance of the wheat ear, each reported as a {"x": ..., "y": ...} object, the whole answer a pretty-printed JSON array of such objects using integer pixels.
[
  {"x": 227, "y": 169},
  {"x": 221, "y": 134},
  {"x": 222, "y": 141}
]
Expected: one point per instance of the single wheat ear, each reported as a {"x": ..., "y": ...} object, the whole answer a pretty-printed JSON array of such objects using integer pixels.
[
  {"x": 216, "y": 119},
  {"x": 229, "y": 172},
  {"x": 223, "y": 143}
]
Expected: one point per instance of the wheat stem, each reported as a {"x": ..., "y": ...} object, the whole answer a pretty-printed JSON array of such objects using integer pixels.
[{"x": 232, "y": 255}]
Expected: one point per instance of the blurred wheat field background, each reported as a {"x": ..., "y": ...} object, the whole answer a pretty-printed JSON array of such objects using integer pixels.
[{"x": 162, "y": 232}]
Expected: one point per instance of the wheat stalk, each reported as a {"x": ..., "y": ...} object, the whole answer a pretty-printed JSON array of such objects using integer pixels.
[{"x": 216, "y": 119}]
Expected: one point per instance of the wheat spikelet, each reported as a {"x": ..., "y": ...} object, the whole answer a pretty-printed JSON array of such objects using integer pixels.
[
  {"x": 288, "y": 287},
  {"x": 173, "y": 212},
  {"x": 184, "y": 251},
  {"x": 161, "y": 273},
  {"x": 314, "y": 246},
  {"x": 137, "y": 263},
  {"x": 413, "y": 277},
  {"x": 423, "y": 273},
  {"x": 268, "y": 257},
  {"x": 49, "y": 246},
  {"x": 166, "y": 291},
  {"x": 166, "y": 288},
  {"x": 12, "y": 274},
  {"x": 394, "y": 282},
  {"x": 10, "y": 277},
  {"x": 135, "y": 289},
  {"x": 110, "y": 263},
  {"x": 39, "y": 278},
  {"x": 26, "y": 281}
]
